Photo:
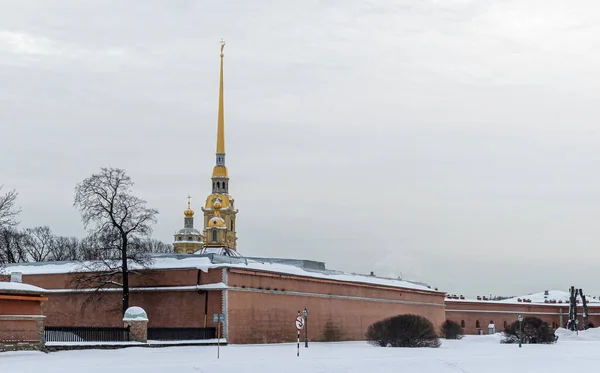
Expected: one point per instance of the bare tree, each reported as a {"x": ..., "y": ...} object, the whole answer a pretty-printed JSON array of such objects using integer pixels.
[
  {"x": 12, "y": 246},
  {"x": 101, "y": 267},
  {"x": 154, "y": 246},
  {"x": 108, "y": 209},
  {"x": 65, "y": 248},
  {"x": 8, "y": 211},
  {"x": 38, "y": 243}
]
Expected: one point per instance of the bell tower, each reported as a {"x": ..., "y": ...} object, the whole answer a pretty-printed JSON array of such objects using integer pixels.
[{"x": 220, "y": 181}]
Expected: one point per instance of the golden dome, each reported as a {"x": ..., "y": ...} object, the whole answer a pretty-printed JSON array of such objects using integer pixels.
[
  {"x": 216, "y": 221},
  {"x": 188, "y": 213}
]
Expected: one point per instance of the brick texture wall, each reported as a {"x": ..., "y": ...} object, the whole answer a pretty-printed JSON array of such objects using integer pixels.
[
  {"x": 262, "y": 307},
  {"x": 482, "y": 313},
  {"x": 21, "y": 321}
]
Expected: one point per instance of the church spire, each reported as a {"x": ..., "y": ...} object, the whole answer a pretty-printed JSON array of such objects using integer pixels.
[
  {"x": 220, "y": 171},
  {"x": 221, "y": 119},
  {"x": 219, "y": 207}
]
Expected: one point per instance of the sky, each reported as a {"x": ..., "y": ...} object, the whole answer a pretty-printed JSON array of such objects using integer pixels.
[{"x": 453, "y": 142}]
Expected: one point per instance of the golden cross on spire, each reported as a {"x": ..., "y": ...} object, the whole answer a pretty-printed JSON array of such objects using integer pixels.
[
  {"x": 222, "y": 42},
  {"x": 189, "y": 198}
]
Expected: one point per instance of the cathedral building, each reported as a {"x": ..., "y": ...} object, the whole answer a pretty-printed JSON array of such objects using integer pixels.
[{"x": 219, "y": 234}]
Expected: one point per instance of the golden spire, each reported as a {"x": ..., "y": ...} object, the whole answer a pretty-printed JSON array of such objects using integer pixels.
[
  {"x": 221, "y": 119},
  {"x": 189, "y": 213},
  {"x": 220, "y": 170}
]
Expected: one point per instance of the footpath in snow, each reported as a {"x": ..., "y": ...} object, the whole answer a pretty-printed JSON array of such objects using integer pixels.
[{"x": 473, "y": 354}]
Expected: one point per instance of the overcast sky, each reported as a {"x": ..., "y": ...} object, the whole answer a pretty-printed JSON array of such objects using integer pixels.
[{"x": 454, "y": 142}]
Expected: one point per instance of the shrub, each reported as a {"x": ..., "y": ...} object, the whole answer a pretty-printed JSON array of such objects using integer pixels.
[
  {"x": 535, "y": 330},
  {"x": 403, "y": 331},
  {"x": 452, "y": 330}
]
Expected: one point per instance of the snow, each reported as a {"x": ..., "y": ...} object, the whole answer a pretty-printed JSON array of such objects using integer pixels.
[
  {"x": 583, "y": 335},
  {"x": 472, "y": 354},
  {"x": 133, "y": 343},
  {"x": 135, "y": 314},
  {"x": 552, "y": 295},
  {"x": 204, "y": 264},
  {"x": 536, "y": 298},
  {"x": 20, "y": 287}
]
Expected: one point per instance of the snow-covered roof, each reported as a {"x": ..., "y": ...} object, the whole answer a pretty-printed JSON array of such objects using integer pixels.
[
  {"x": 206, "y": 262},
  {"x": 17, "y": 287},
  {"x": 553, "y": 297},
  {"x": 188, "y": 231}
]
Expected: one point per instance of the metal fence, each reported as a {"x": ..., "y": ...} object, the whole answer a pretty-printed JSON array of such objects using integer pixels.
[
  {"x": 181, "y": 334},
  {"x": 85, "y": 334}
]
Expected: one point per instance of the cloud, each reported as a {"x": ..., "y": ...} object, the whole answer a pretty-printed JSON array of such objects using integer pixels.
[{"x": 444, "y": 140}]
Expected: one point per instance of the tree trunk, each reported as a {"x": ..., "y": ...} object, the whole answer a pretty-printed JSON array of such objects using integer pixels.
[{"x": 125, "y": 273}]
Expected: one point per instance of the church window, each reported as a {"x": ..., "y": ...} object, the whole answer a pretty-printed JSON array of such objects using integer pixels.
[
  {"x": 189, "y": 238},
  {"x": 477, "y": 324},
  {"x": 178, "y": 238},
  {"x": 505, "y": 324},
  {"x": 462, "y": 323},
  {"x": 214, "y": 236}
]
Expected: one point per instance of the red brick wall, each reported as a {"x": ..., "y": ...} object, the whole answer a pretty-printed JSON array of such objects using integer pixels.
[
  {"x": 264, "y": 306},
  {"x": 164, "y": 308},
  {"x": 266, "y": 315},
  {"x": 501, "y": 313},
  {"x": 20, "y": 319},
  {"x": 19, "y": 331},
  {"x": 261, "y": 318},
  {"x": 19, "y": 307},
  {"x": 267, "y": 281}
]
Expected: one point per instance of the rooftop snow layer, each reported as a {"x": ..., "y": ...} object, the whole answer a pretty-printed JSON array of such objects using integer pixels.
[
  {"x": 19, "y": 287},
  {"x": 205, "y": 263},
  {"x": 552, "y": 295},
  {"x": 536, "y": 298}
]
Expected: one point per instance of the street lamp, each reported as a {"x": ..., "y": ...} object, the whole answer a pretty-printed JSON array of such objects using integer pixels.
[
  {"x": 520, "y": 318},
  {"x": 577, "y": 326},
  {"x": 305, "y": 328}
]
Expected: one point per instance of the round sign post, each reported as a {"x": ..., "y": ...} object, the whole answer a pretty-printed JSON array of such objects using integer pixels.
[{"x": 299, "y": 326}]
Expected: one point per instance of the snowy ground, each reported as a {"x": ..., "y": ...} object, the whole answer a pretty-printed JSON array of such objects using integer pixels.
[{"x": 473, "y": 354}]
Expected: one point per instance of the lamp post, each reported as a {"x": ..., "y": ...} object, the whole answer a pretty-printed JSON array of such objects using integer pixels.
[
  {"x": 577, "y": 326},
  {"x": 520, "y": 330},
  {"x": 305, "y": 328}
]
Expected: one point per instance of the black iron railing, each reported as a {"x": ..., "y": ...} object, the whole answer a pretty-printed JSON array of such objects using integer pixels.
[
  {"x": 181, "y": 334},
  {"x": 85, "y": 334}
]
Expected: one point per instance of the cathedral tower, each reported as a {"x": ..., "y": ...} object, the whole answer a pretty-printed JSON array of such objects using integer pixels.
[{"x": 220, "y": 183}]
